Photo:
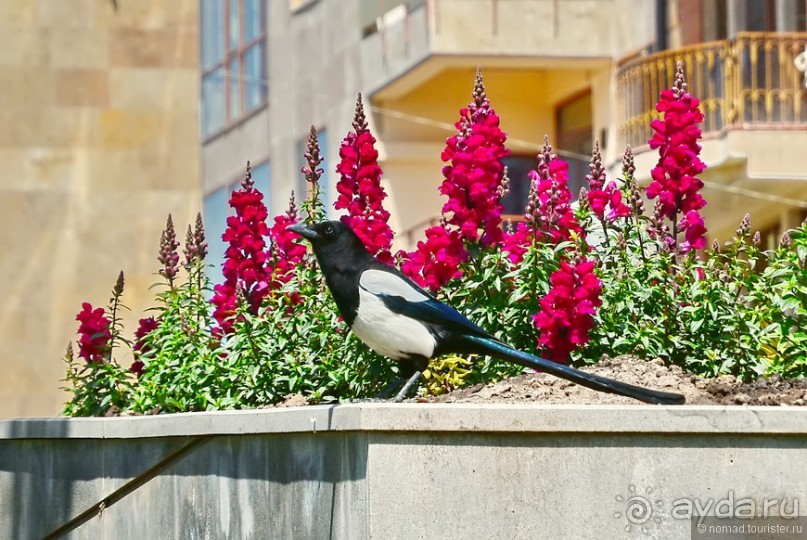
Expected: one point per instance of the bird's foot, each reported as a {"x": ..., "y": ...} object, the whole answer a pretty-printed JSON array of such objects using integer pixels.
[{"x": 406, "y": 387}]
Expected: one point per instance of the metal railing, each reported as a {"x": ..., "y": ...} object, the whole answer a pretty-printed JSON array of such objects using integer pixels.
[{"x": 749, "y": 82}]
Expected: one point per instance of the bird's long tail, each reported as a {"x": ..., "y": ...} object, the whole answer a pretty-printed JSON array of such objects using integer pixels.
[{"x": 595, "y": 382}]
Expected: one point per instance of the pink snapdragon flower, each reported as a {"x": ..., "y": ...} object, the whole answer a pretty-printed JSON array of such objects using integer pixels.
[
  {"x": 437, "y": 259},
  {"x": 472, "y": 182},
  {"x": 474, "y": 171},
  {"x": 95, "y": 335},
  {"x": 675, "y": 181},
  {"x": 549, "y": 214},
  {"x": 286, "y": 251},
  {"x": 245, "y": 257},
  {"x": 360, "y": 190},
  {"x": 140, "y": 347},
  {"x": 603, "y": 194},
  {"x": 568, "y": 309}
]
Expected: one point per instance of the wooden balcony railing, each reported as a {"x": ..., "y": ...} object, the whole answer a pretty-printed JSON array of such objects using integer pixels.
[{"x": 749, "y": 82}]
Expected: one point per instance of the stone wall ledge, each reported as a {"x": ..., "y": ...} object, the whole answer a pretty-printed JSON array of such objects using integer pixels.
[{"x": 422, "y": 417}]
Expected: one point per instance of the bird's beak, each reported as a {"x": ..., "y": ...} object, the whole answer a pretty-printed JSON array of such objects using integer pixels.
[{"x": 303, "y": 231}]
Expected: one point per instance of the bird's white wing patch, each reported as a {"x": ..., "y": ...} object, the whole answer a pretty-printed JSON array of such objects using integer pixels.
[
  {"x": 380, "y": 282},
  {"x": 390, "y": 334}
]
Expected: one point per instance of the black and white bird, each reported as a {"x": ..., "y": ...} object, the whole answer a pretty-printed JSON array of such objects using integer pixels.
[{"x": 398, "y": 319}]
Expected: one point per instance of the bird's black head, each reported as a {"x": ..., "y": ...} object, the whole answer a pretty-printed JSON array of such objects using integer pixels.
[{"x": 335, "y": 244}]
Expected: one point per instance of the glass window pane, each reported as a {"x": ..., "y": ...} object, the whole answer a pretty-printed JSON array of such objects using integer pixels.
[
  {"x": 213, "y": 105},
  {"x": 216, "y": 209},
  {"x": 235, "y": 92},
  {"x": 255, "y": 84},
  {"x": 518, "y": 170},
  {"x": 261, "y": 175},
  {"x": 235, "y": 25},
  {"x": 253, "y": 19},
  {"x": 212, "y": 14}
]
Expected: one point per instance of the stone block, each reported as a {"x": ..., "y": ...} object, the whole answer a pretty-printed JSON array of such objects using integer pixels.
[
  {"x": 24, "y": 47},
  {"x": 18, "y": 13},
  {"x": 87, "y": 87},
  {"x": 86, "y": 49},
  {"x": 142, "y": 88},
  {"x": 137, "y": 47},
  {"x": 128, "y": 128},
  {"x": 73, "y": 14}
]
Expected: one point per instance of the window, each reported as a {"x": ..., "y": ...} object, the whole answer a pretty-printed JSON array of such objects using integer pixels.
[
  {"x": 575, "y": 139},
  {"x": 518, "y": 170},
  {"x": 216, "y": 209},
  {"x": 301, "y": 192},
  {"x": 233, "y": 51}
]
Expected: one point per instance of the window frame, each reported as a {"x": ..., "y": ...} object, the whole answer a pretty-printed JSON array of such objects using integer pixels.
[{"x": 238, "y": 53}]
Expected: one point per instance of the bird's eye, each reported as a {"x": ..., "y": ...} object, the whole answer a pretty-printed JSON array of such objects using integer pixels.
[{"x": 329, "y": 230}]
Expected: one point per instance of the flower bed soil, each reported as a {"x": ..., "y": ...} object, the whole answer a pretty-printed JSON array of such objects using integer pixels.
[{"x": 543, "y": 388}]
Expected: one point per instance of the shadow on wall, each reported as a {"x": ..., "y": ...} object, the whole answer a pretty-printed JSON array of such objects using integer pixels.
[{"x": 56, "y": 484}]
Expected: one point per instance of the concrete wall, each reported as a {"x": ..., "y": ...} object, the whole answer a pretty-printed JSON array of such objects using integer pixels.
[
  {"x": 98, "y": 143},
  {"x": 396, "y": 471}
]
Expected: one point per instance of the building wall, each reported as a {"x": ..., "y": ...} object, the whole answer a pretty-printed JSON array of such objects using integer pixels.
[
  {"x": 415, "y": 71},
  {"x": 98, "y": 143}
]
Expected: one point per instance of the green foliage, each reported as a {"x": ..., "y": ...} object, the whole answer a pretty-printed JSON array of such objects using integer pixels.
[
  {"x": 739, "y": 312},
  {"x": 185, "y": 368},
  {"x": 716, "y": 316},
  {"x": 97, "y": 388},
  {"x": 501, "y": 297}
]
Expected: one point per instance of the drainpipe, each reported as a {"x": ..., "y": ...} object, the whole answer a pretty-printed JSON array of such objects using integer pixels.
[{"x": 661, "y": 25}]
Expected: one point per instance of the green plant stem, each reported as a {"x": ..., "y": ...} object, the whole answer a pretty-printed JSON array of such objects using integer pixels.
[{"x": 605, "y": 232}]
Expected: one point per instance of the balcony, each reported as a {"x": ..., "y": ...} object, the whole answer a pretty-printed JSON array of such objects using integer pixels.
[
  {"x": 755, "y": 124},
  {"x": 419, "y": 38},
  {"x": 747, "y": 83}
]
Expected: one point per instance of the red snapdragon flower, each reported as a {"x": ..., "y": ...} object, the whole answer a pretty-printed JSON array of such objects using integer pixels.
[
  {"x": 675, "y": 181},
  {"x": 360, "y": 190},
  {"x": 95, "y": 334},
  {"x": 140, "y": 347},
  {"x": 567, "y": 311},
  {"x": 245, "y": 258},
  {"x": 472, "y": 182}
]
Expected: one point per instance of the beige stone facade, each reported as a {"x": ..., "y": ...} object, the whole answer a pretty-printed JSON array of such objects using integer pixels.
[{"x": 98, "y": 143}]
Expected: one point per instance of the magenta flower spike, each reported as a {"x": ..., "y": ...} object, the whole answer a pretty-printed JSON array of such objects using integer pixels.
[
  {"x": 567, "y": 310},
  {"x": 674, "y": 178},
  {"x": 95, "y": 335},
  {"x": 474, "y": 184},
  {"x": 360, "y": 190},
  {"x": 245, "y": 257}
]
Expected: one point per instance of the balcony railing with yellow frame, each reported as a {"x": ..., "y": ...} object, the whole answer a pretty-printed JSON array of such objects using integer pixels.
[{"x": 749, "y": 82}]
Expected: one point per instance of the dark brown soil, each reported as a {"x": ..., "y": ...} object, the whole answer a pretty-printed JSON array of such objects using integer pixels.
[{"x": 543, "y": 388}]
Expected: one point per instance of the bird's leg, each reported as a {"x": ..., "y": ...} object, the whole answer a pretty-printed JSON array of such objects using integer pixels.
[
  {"x": 390, "y": 388},
  {"x": 406, "y": 387}
]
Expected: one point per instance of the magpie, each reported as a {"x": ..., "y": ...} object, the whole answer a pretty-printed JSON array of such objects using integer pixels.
[{"x": 396, "y": 318}]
